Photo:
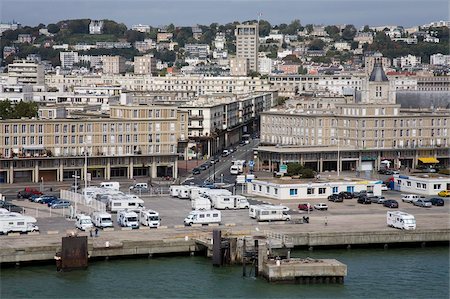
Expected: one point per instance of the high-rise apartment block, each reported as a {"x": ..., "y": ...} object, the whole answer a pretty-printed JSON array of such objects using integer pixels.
[
  {"x": 247, "y": 38},
  {"x": 113, "y": 64},
  {"x": 145, "y": 65}
]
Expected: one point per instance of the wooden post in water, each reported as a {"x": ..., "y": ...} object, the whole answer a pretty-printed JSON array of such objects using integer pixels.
[
  {"x": 244, "y": 259},
  {"x": 257, "y": 258}
]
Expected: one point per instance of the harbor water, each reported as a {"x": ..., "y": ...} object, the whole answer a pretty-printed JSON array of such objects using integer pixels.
[{"x": 372, "y": 273}]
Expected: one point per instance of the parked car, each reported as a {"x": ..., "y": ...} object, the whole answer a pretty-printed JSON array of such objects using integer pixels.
[
  {"x": 203, "y": 166},
  {"x": 332, "y": 197},
  {"x": 215, "y": 159},
  {"x": 28, "y": 192},
  {"x": 384, "y": 187},
  {"x": 424, "y": 203},
  {"x": 410, "y": 198},
  {"x": 59, "y": 204},
  {"x": 360, "y": 193},
  {"x": 364, "y": 200},
  {"x": 388, "y": 172},
  {"x": 436, "y": 201},
  {"x": 196, "y": 171},
  {"x": 444, "y": 193},
  {"x": 11, "y": 207},
  {"x": 345, "y": 195},
  {"x": 390, "y": 203},
  {"x": 375, "y": 199},
  {"x": 321, "y": 206},
  {"x": 381, "y": 199},
  {"x": 382, "y": 171},
  {"x": 304, "y": 207},
  {"x": 44, "y": 198},
  {"x": 49, "y": 204}
]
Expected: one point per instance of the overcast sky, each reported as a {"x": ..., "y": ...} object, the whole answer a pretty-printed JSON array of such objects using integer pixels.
[{"x": 189, "y": 12}]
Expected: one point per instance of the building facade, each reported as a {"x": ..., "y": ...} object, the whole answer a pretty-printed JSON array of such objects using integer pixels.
[
  {"x": 145, "y": 65},
  {"x": 113, "y": 64},
  {"x": 26, "y": 72},
  {"x": 247, "y": 44}
]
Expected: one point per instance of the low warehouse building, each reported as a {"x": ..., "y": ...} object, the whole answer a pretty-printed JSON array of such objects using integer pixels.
[{"x": 426, "y": 184}]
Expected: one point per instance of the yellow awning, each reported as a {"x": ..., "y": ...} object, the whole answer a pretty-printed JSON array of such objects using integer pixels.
[{"x": 429, "y": 160}]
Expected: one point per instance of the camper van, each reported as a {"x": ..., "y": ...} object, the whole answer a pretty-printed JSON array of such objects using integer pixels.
[
  {"x": 110, "y": 185},
  {"x": 183, "y": 192},
  {"x": 221, "y": 202},
  {"x": 102, "y": 219},
  {"x": 253, "y": 209},
  {"x": 195, "y": 192},
  {"x": 174, "y": 190},
  {"x": 273, "y": 213},
  {"x": 400, "y": 220},
  {"x": 214, "y": 192},
  {"x": 201, "y": 203},
  {"x": 15, "y": 222},
  {"x": 84, "y": 223},
  {"x": 117, "y": 203},
  {"x": 149, "y": 218},
  {"x": 203, "y": 217},
  {"x": 127, "y": 218}
]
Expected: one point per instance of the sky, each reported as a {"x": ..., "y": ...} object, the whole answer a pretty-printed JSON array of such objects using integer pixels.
[{"x": 190, "y": 12}]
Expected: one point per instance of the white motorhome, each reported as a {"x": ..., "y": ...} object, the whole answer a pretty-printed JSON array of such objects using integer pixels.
[
  {"x": 210, "y": 193},
  {"x": 195, "y": 192},
  {"x": 174, "y": 190},
  {"x": 272, "y": 214},
  {"x": 149, "y": 218},
  {"x": 124, "y": 202},
  {"x": 102, "y": 219},
  {"x": 16, "y": 222},
  {"x": 253, "y": 209},
  {"x": 203, "y": 217},
  {"x": 410, "y": 197},
  {"x": 127, "y": 218},
  {"x": 84, "y": 223},
  {"x": 400, "y": 220},
  {"x": 183, "y": 192},
  {"x": 221, "y": 202},
  {"x": 110, "y": 185},
  {"x": 201, "y": 203}
]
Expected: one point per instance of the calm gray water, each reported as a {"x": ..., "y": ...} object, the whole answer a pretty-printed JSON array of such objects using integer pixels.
[{"x": 372, "y": 273}]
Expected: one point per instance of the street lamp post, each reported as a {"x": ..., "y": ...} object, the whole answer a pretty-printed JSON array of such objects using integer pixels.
[
  {"x": 42, "y": 184},
  {"x": 338, "y": 158},
  {"x": 214, "y": 174},
  {"x": 85, "y": 170},
  {"x": 75, "y": 176}
]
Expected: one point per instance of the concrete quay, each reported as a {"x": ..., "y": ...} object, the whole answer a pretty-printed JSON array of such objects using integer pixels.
[{"x": 35, "y": 248}]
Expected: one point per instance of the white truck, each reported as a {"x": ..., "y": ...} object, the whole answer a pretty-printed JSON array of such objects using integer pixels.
[
  {"x": 203, "y": 217},
  {"x": 149, "y": 218},
  {"x": 221, "y": 202},
  {"x": 127, "y": 218},
  {"x": 84, "y": 222},
  {"x": 174, "y": 189},
  {"x": 102, "y": 219},
  {"x": 110, "y": 185},
  {"x": 201, "y": 203},
  {"x": 16, "y": 222},
  {"x": 400, "y": 220},
  {"x": 272, "y": 214}
]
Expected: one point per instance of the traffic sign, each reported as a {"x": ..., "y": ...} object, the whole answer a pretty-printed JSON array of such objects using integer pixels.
[
  {"x": 251, "y": 163},
  {"x": 283, "y": 168}
]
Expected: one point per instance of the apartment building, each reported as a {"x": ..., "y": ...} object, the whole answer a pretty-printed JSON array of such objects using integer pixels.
[
  {"x": 113, "y": 64},
  {"x": 247, "y": 44},
  {"x": 26, "y": 72},
  {"x": 133, "y": 141},
  {"x": 68, "y": 59},
  {"x": 145, "y": 65}
]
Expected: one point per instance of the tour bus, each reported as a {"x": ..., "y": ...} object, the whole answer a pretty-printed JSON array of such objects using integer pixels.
[
  {"x": 149, "y": 218},
  {"x": 221, "y": 202},
  {"x": 116, "y": 204},
  {"x": 16, "y": 222},
  {"x": 201, "y": 203},
  {"x": 127, "y": 218},
  {"x": 203, "y": 217},
  {"x": 253, "y": 209},
  {"x": 400, "y": 220},
  {"x": 102, "y": 219},
  {"x": 174, "y": 190},
  {"x": 110, "y": 185}
]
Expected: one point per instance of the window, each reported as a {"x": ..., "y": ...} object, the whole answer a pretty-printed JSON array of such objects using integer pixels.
[
  {"x": 293, "y": 192},
  {"x": 254, "y": 187},
  {"x": 260, "y": 188},
  {"x": 322, "y": 190},
  {"x": 335, "y": 190},
  {"x": 418, "y": 185},
  {"x": 275, "y": 191},
  {"x": 157, "y": 113},
  {"x": 310, "y": 191},
  {"x": 267, "y": 189},
  {"x": 437, "y": 186},
  {"x": 408, "y": 183}
]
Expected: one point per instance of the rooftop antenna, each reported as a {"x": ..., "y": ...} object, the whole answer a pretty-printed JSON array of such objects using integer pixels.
[{"x": 259, "y": 16}]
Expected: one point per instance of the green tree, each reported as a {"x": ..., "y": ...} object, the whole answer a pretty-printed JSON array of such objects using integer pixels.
[
  {"x": 133, "y": 36},
  {"x": 53, "y": 28},
  {"x": 6, "y": 109},
  {"x": 264, "y": 28},
  {"x": 111, "y": 27},
  {"x": 293, "y": 28},
  {"x": 333, "y": 32},
  {"x": 309, "y": 28},
  {"x": 349, "y": 32},
  {"x": 25, "y": 109},
  {"x": 366, "y": 29},
  {"x": 316, "y": 44},
  {"x": 80, "y": 26}
]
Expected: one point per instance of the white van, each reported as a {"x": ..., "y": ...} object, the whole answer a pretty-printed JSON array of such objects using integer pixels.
[
  {"x": 400, "y": 220},
  {"x": 230, "y": 202},
  {"x": 210, "y": 193},
  {"x": 16, "y": 222},
  {"x": 149, "y": 218},
  {"x": 143, "y": 187},
  {"x": 110, "y": 185},
  {"x": 84, "y": 223},
  {"x": 203, "y": 217},
  {"x": 234, "y": 169},
  {"x": 195, "y": 192},
  {"x": 410, "y": 197},
  {"x": 201, "y": 203},
  {"x": 102, "y": 219},
  {"x": 174, "y": 190},
  {"x": 127, "y": 219}
]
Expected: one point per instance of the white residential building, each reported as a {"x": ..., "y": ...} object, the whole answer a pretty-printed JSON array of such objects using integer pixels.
[
  {"x": 440, "y": 59},
  {"x": 265, "y": 66},
  {"x": 145, "y": 65},
  {"x": 141, "y": 28},
  {"x": 96, "y": 27},
  {"x": 113, "y": 64},
  {"x": 247, "y": 44},
  {"x": 68, "y": 59},
  {"x": 26, "y": 72},
  {"x": 407, "y": 61}
]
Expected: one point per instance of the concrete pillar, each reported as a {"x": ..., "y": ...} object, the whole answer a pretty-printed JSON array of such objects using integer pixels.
[
  {"x": 61, "y": 171},
  {"x": 378, "y": 162},
  {"x": 175, "y": 169},
  {"x": 131, "y": 169},
  {"x": 262, "y": 256},
  {"x": 321, "y": 163},
  {"x": 209, "y": 148},
  {"x": 36, "y": 172},
  {"x": 270, "y": 163},
  {"x": 11, "y": 173},
  {"x": 153, "y": 174},
  {"x": 301, "y": 160},
  {"x": 108, "y": 169},
  {"x": 415, "y": 159}
]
